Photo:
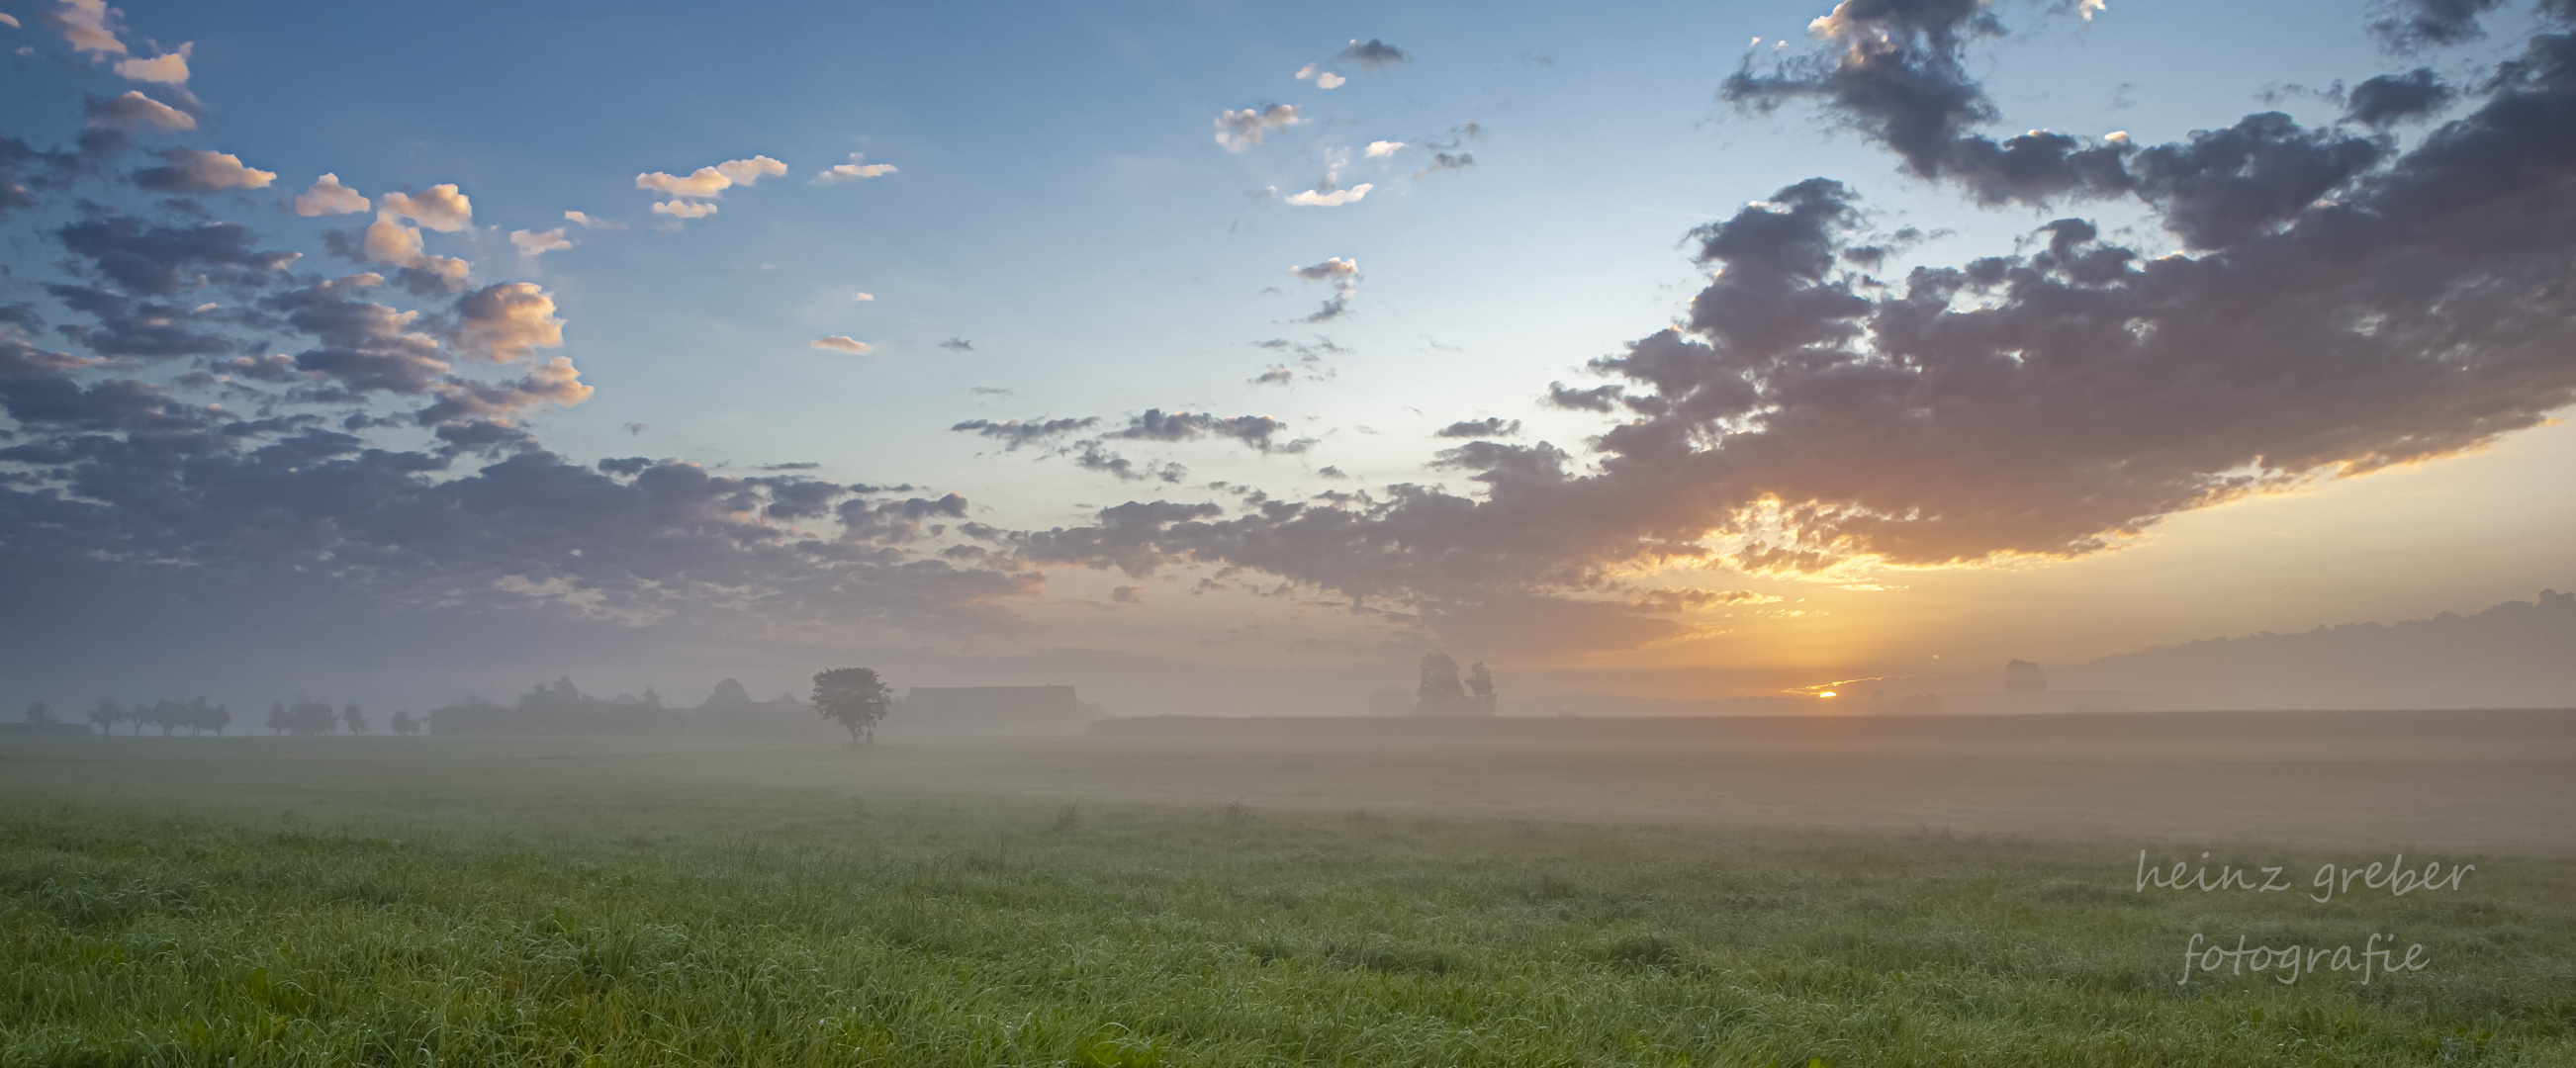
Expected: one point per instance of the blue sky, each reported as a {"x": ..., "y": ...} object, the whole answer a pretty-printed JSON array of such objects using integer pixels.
[{"x": 1060, "y": 202}]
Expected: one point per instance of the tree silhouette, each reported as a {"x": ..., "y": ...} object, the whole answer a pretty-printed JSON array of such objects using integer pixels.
[
  {"x": 854, "y": 698},
  {"x": 205, "y": 717},
  {"x": 1480, "y": 689},
  {"x": 355, "y": 720},
  {"x": 404, "y": 725},
  {"x": 276, "y": 717},
  {"x": 41, "y": 713},
  {"x": 311, "y": 717},
  {"x": 106, "y": 715},
  {"x": 1439, "y": 693}
]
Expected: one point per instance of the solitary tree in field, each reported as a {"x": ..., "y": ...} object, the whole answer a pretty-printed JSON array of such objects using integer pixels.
[
  {"x": 42, "y": 713},
  {"x": 355, "y": 720},
  {"x": 277, "y": 717},
  {"x": 854, "y": 698},
  {"x": 404, "y": 725},
  {"x": 1439, "y": 693},
  {"x": 1480, "y": 689}
]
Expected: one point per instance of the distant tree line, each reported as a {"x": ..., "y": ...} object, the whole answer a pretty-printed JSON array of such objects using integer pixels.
[
  {"x": 559, "y": 707},
  {"x": 199, "y": 717}
]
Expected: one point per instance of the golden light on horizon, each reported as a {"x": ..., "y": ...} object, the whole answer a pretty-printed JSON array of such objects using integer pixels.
[{"x": 1828, "y": 693}]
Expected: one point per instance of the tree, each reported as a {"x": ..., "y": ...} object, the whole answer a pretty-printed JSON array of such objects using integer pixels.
[
  {"x": 854, "y": 698},
  {"x": 1439, "y": 693},
  {"x": 311, "y": 717},
  {"x": 42, "y": 713},
  {"x": 205, "y": 717},
  {"x": 1480, "y": 689},
  {"x": 168, "y": 715},
  {"x": 106, "y": 715},
  {"x": 355, "y": 720},
  {"x": 276, "y": 717},
  {"x": 404, "y": 725}
]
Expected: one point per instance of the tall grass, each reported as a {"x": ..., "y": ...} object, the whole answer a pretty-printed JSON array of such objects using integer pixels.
[{"x": 910, "y": 931}]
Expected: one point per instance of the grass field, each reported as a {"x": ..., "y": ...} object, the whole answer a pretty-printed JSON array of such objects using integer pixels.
[{"x": 561, "y": 902}]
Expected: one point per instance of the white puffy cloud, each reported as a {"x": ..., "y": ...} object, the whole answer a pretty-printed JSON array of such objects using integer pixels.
[
  {"x": 751, "y": 171},
  {"x": 684, "y": 209},
  {"x": 85, "y": 24},
  {"x": 1237, "y": 130},
  {"x": 588, "y": 223},
  {"x": 186, "y": 170},
  {"x": 167, "y": 69},
  {"x": 133, "y": 111},
  {"x": 328, "y": 197},
  {"x": 853, "y": 170},
  {"x": 440, "y": 208},
  {"x": 1330, "y": 198},
  {"x": 1324, "y": 79},
  {"x": 1331, "y": 268},
  {"x": 1383, "y": 149},
  {"x": 536, "y": 242},
  {"x": 389, "y": 241},
  {"x": 838, "y": 343},
  {"x": 709, "y": 182},
  {"x": 508, "y": 322}
]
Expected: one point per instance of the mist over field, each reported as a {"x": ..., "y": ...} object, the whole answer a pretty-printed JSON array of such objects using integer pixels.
[{"x": 1943, "y": 532}]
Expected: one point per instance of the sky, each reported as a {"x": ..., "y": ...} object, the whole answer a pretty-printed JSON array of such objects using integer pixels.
[{"x": 1224, "y": 356}]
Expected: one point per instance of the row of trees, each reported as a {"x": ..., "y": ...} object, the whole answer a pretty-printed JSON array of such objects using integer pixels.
[
  {"x": 197, "y": 717},
  {"x": 1442, "y": 694}
]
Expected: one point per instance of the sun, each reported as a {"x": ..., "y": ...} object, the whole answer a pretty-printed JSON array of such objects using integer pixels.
[{"x": 1828, "y": 693}]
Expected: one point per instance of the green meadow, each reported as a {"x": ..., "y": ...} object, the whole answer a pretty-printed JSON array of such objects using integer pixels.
[{"x": 567, "y": 902}]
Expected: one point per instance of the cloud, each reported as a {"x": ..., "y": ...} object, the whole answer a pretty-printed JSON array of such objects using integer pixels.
[
  {"x": 1374, "y": 53},
  {"x": 160, "y": 260},
  {"x": 1447, "y": 161},
  {"x": 957, "y": 344},
  {"x": 749, "y": 172},
  {"x": 838, "y": 343},
  {"x": 167, "y": 69},
  {"x": 1330, "y": 198},
  {"x": 1336, "y": 267},
  {"x": 1324, "y": 79},
  {"x": 2389, "y": 99},
  {"x": 683, "y": 209},
  {"x": 2334, "y": 317},
  {"x": 708, "y": 182},
  {"x": 588, "y": 223},
  {"x": 132, "y": 110},
  {"x": 853, "y": 170},
  {"x": 87, "y": 24},
  {"x": 1383, "y": 149},
  {"x": 1238, "y": 130},
  {"x": 440, "y": 208},
  {"x": 533, "y": 243},
  {"x": 863, "y": 296},
  {"x": 508, "y": 322},
  {"x": 554, "y": 382},
  {"x": 388, "y": 241},
  {"x": 2413, "y": 25},
  {"x": 8, "y": 20},
  {"x": 363, "y": 346},
  {"x": 1275, "y": 376},
  {"x": 186, "y": 170},
  {"x": 1492, "y": 427},
  {"x": 1261, "y": 432},
  {"x": 1596, "y": 399},
  {"x": 1013, "y": 433},
  {"x": 328, "y": 197}
]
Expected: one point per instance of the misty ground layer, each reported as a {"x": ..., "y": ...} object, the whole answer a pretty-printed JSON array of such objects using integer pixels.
[{"x": 373, "y": 901}]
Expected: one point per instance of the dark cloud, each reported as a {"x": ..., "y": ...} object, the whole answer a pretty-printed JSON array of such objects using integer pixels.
[
  {"x": 1375, "y": 53},
  {"x": 2389, "y": 99},
  {"x": 129, "y": 327},
  {"x": 1091, "y": 457},
  {"x": 2411, "y": 25},
  {"x": 1447, "y": 161},
  {"x": 957, "y": 344},
  {"x": 1596, "y": 399},
  {"x": 1491, "y": 427},
  {"x": 1013, "y": 433},
  {"x": 2347, "y": 309},
  {"x": 1258, "y": 431},
  {"x": 161, "y": 260}
]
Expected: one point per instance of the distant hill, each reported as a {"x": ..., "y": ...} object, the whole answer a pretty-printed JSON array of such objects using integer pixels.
[{"x": 2519, "y": 654}]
